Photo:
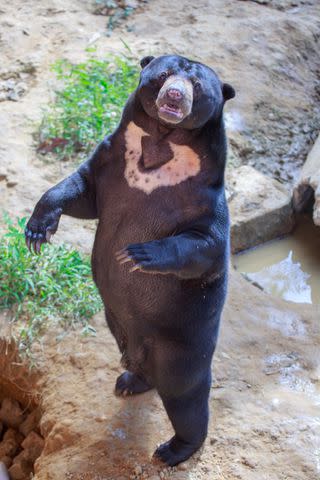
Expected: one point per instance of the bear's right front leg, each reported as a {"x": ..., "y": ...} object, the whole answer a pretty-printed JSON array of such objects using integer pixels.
[{"x": 73, "y": 196}]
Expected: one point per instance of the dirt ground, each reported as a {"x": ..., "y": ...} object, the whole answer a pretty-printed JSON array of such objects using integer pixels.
[{"x": 265, "y": 421}]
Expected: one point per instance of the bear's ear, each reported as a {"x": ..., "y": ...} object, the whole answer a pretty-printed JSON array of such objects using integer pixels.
[
  {"x": 228, "y": 91},
  {"x": 146, "y": 60}
]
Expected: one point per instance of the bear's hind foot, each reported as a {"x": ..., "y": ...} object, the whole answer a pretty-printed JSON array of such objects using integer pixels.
[
  {"x": 129, "y": 383},
  {"x": 175, "y": 451}
]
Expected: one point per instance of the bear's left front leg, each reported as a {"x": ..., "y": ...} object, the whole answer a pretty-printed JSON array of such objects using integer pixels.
[{"x": 187, "y": 255}]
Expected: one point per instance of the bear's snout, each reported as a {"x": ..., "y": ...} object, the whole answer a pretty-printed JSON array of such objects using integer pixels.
[
  {"x": 175, "y": 99},
  {"x": 174, "y": 94}
]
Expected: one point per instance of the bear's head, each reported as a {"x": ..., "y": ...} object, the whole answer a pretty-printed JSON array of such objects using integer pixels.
[{"x": 181, "y": 93}]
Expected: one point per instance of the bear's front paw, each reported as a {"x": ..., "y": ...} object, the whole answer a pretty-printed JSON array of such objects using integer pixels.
[
  {"x": 40, "y": 228},
  {"x": 148, "y": 257}
]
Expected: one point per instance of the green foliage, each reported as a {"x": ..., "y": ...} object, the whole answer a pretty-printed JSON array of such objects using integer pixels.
[
  {"x": 88, "y": 106},
  {"x": 54, "y": 287}
]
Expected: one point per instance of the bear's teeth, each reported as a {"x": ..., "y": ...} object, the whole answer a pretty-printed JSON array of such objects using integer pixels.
[{"x": 171, "y": 108}]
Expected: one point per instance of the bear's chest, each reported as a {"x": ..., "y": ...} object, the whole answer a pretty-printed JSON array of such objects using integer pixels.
[{"x": 150, "y": 166}]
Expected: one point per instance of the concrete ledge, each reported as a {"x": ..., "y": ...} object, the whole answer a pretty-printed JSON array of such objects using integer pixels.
[{"x": 260, "y": 208}]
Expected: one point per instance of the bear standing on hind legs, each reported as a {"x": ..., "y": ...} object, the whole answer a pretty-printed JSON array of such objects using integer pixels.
[{"x": 160, "y": 255}]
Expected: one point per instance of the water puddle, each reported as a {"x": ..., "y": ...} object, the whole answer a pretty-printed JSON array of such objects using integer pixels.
[
  {"x": 292, "y": 374},
  {"x": 288, "y": 268}
]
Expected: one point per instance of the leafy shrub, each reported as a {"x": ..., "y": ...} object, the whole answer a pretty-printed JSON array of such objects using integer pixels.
[
  {"x": 54, "y": 287},
  {"x": 88, "y": 106}
]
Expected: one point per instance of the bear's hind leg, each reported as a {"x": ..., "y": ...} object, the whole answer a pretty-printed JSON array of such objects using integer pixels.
[
  {"x": 189, "y": 416},
  {"x": 129, "y": 383}
]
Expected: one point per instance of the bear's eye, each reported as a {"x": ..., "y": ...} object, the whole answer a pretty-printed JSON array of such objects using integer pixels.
[{"x": 163, "y": 76}]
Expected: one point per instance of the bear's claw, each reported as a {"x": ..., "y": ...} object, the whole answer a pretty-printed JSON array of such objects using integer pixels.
[
  {"x": 40, "y": 228},
  {"x": 141, "y": 254},
  {"x": 129, "y": 383},
  {"x": 34, "y": 240}
]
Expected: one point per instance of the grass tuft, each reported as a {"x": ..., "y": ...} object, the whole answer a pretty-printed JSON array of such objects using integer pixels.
[
  {"x": 87, "y": 107},
  {"x": 54, "y": 287}
]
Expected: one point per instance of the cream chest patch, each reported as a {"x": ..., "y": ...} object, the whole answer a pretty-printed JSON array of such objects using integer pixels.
[{"x": 184, "y": 164}]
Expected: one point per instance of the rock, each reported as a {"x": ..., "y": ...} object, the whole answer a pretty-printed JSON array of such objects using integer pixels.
[
  {"x": 30, "y": 423},
  {"x": 11, "y": 413},
  {"x": 7, "y": 461},
  {"x": 308, "y": 185},
  {"x": 183, "y": 466},
  {"x": 4, "y": 475},
  {"x": 11, "y": 183},
  {"x": 130, "y": 4},
  {"x": 20, "y": 470},
  {"x": 12, "y": 434},
  {"x": 33, "y": 445},
  {"x": 30, "y": 454},
  {"x": 10, "y": 443},
  {"x": 1, "y": 428},
  {"x": 13, "y": 96},
  {"x": 260, "y": 208},
  {"x": 138, "y": 470}
]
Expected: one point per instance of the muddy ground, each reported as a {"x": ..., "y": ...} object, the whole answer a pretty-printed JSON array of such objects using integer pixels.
[{"x": 265, "y": 421}]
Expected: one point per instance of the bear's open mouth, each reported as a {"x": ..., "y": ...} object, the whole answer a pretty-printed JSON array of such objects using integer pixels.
[{"x": 171, "y": 109}]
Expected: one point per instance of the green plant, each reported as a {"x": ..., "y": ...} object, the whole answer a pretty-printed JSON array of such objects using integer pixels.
[
  {"x": 54, "y": 287},
  {"x": 88, "y": 106}
]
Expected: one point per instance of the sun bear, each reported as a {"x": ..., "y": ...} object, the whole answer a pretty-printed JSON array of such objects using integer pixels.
[{"x": 160, "y": 256}]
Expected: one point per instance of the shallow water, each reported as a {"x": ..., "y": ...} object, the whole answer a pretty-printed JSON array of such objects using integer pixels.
[{"x": 289, "y": 267}]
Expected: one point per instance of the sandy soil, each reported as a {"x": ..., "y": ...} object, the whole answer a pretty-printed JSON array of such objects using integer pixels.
[{"x": 265, "y": 420}]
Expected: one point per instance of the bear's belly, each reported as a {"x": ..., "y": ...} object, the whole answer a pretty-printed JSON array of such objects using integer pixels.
[
  {"x": 128, "y": 215},
  {"x": 131, "y": 294},
  {"x": 143, "y": 302}
]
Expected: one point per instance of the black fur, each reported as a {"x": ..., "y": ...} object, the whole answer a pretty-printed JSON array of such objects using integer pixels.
[{"x": 165, "y": 311}]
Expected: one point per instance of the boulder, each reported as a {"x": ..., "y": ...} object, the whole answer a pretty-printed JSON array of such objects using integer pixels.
[
  {"x": 308, "y": 185},
  {"x": 260, "y": 208}
]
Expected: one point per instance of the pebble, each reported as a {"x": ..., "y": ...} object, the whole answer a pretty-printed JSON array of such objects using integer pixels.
[
  {"x": 183, "y": 466},
  {"x": 138, "y": 470}
]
